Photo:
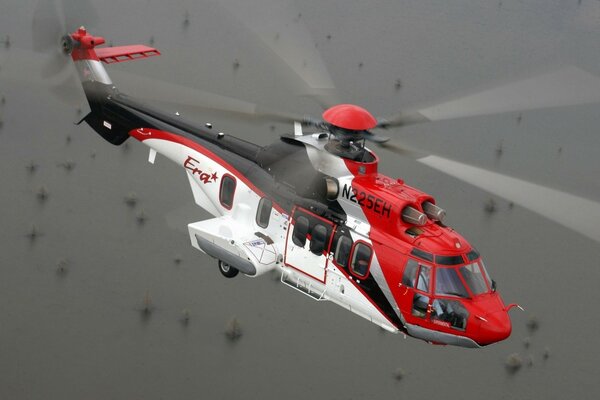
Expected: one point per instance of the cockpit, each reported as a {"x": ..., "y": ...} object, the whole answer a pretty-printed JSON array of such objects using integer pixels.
[{"x": 444, "y": 292}]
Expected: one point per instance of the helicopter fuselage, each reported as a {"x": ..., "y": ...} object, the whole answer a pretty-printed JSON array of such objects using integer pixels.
[{"x": 329, "y": 224}]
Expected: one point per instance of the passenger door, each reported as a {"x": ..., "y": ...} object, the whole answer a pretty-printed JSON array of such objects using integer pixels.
[{"x": 307, "y": 244}]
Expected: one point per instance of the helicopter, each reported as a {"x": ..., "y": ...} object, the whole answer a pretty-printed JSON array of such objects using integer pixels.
[{"x": 314, "y": 208}]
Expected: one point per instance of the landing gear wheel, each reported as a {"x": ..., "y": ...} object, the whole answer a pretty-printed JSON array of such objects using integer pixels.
[{"x": 227, "y": 270}]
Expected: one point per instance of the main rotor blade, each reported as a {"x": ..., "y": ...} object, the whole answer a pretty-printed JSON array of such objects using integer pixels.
[
  {"x": 564, "y": 87},
  {"x": 576, "y": 213},
  {"x": 195, "y": 99},
  {"x": 283, "y": 31}
]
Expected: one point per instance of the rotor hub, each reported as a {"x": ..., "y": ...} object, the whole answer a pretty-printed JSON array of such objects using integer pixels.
[{"x": 350, "y": 116}]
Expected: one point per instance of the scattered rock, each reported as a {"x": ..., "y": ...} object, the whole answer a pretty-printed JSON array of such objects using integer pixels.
[
  {"x": 31, "y": 167},
  {"x": 186, "y": 20},
  {"x": 177, "y": 259},
  {"x": 360, "y": 65},
  {"x": 131, "y": 199},
  {"x": 519, "y": 118},
  {"x": 490, "y": 206},
  {"x": 533, "y": 324},
  {"x": 61, "y": 267},
  {"x": 398, "y": 84},
  {"x": 236, "y": 64},
  {"x": 233, "y": 330},
  {"x": 529, "y": 360},
  {"x": 546, "y": 353},
  {"x": 185, "y": 317},
  {"x": 42, "y": 194},
  {"x": 68, "y": 165},
  {"x": 499, "y": 149},
  {"x": 399, "y": 374},
  {"x": 68, "y": 139},
  {"x": 33, "y": 233},
  {"x": 527, "y": 342},
  {"x": 151, "y": 41},
  {"x": 147, "y": 306},
  {"x": 513, "y": 362},
  {"x": 141, "y": 217},
  {"x": 328, "y": 36},
  {"x": 7, "y": 42}
]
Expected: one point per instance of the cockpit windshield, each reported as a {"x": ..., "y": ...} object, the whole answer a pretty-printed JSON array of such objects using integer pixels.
[
  {"x": 448, "y": 283},
  {"x": 474, "y": 275}
]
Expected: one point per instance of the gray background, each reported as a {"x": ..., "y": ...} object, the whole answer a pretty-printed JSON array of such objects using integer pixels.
[{"x": 80, "y": 333}]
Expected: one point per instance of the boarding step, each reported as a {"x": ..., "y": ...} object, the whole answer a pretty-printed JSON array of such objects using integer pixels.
[{"x": 304, "y": 285}]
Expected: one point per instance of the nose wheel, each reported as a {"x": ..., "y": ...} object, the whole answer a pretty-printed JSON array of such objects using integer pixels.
[{"x": 227, "y": 270}]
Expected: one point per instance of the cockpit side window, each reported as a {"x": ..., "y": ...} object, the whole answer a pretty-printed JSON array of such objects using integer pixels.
[
  {"x": 474, "y": 278},
  {"x": 450, "y": 313},
  {"x": 410, "y": 273},
  {"x": 424, "y": 277}
]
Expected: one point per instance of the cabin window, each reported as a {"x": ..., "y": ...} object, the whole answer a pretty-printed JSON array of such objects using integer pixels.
[
  {"x": 342, "y": 251},
  {"x": 263, "y": 213},
  {"x": 227, "y": 191},
  {"x": 300, "y": 231},
  {"x": 318, "y": 239},
  {"x": 361, "y": 259}
]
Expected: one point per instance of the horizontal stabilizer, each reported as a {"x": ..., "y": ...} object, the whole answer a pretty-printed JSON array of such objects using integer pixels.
[{"x": 111, "y": 55}]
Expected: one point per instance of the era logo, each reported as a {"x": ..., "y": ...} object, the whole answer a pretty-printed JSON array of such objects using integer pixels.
[{"x": 191, "y": 165}]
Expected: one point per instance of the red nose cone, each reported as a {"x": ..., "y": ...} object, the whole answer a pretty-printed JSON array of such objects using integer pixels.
[
  {"x": 349, "y": 116},
  {"x": 496, "y": 328}
]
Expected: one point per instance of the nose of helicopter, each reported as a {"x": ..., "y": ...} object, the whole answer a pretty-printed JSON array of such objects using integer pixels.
[{"x": 496, "y": 327}]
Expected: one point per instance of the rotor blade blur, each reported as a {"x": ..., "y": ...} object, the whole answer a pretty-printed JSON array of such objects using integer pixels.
[
  {"x": 29, "y": 68},
  {"x": 402, "y": 150},
  {"x": 576, "y": 213},
  {"x": 55, "y": 65},
  {"x": 194, "y": 99},
  {"x": 78, "y": 13},
  {"x": 47, "y": 26},
  {"x": 568, "y": 86},
  {"x": 283, "y": 31}
]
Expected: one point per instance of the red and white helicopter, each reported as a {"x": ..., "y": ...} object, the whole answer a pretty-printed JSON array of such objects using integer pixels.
[{"x": 314, "y": 208}]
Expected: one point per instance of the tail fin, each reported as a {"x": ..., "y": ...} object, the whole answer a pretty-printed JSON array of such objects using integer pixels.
[{"x": 97, "y": 85}]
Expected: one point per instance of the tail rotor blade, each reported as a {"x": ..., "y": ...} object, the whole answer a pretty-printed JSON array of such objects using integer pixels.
[
  {"x": 54, "y": 65},
  {"x": 78, "y": 13},
  {"x": 47, "y": 26}
]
